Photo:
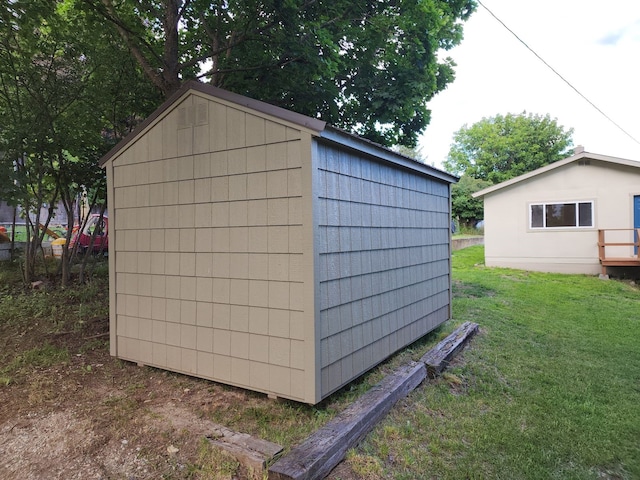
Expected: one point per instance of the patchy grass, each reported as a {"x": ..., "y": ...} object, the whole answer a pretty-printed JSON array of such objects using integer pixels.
[
  {"x": 214, "y": 463},
  {"x": 463, "y": 231},
  {"x": 55, "y": 368},
  {"x": 466, "y": 235},
  {"x": 38, "y": 357},
  {"x": 366, "y": 467},
  {"x": 549, "y": 389},
  {"x": 41, "y": 328}
]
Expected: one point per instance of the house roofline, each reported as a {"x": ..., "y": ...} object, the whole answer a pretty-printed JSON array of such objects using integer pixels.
[{"x": 552, "y": 166}]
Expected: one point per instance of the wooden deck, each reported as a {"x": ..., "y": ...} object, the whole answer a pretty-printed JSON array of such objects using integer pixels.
[{"x": 619, "y": 259}]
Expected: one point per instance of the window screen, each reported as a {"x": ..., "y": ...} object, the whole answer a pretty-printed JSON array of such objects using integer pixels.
[
  {"x": 585, "y": 214},
  {"x": 537, "y": 216}
]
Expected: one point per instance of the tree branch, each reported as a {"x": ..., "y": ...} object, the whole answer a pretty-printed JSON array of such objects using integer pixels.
[{"x": 108, "y": 12}]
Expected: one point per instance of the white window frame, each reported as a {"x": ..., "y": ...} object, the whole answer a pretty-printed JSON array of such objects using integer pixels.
[{"x": 561, "y": 202}]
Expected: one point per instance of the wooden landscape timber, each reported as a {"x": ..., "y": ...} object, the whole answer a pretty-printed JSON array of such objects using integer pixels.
[
  {"x": 252, "y": 452},
  {"x": 437, "y": 359},
  {"x": 323, "y": 450}
]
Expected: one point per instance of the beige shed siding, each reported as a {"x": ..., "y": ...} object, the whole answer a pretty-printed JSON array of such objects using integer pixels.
[
  {"x": 509, "y": 242},
  {"x": 208, "y": 249},
  {"x": 383, "y": 249}
]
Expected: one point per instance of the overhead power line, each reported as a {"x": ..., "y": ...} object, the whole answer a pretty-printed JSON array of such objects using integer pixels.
[{"x": 559, "y": 75}]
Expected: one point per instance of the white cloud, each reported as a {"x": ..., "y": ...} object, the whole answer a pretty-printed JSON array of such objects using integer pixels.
[{"x": 591, "y": 44}]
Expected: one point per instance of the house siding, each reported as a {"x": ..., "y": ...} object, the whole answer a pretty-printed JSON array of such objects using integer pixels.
[
  {"x": 510, "y": 242},
  {"x": 208, "y": 248},
  {"x": 383, "y": 253}
]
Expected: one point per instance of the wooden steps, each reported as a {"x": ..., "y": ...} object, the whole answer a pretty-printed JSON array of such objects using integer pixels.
[{"x": 621, "y": 262}]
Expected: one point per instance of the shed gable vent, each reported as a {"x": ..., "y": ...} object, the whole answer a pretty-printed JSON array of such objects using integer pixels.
[
  {"x": 191, "y": 115},
  {"x": 582, "y": 163},
  {"x": 185, "y": 116},
  {"x": 202, "y": 114}
]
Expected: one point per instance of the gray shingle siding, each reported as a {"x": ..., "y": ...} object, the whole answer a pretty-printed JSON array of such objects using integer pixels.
[{"x": 383, "y": 253}]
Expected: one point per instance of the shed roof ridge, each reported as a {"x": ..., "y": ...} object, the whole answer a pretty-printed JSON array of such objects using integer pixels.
[
  {"x": 318, "y": 127},
  {"x": 263, "y": 107}
]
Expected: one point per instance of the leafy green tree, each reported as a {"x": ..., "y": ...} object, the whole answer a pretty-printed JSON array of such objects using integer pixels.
[
  {"x": 502, "y": 147},
  {"x": 115, "y": 98},
  {"x": 411, "y": 152},
  {"x": 466, "y": 209},
  {"x": 363, "y": 65},
  {"x": 60, "y": 102},
  {"x": 30, "y": 109}
]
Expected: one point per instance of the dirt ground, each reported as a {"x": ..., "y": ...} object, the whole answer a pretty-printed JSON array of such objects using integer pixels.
[{"x": 96, "y": 417}]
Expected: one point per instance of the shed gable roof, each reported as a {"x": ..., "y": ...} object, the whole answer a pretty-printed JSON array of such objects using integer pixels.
[
  {"x": 256, "y": 105},
  {"x": 317, "y": 127},
  {"x": 558, "y": 165}
]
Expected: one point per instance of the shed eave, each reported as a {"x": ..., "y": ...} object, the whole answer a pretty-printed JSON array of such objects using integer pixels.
[{"x": 353, "y": 142}]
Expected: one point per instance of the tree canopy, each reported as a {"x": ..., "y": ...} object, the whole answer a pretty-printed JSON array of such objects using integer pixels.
[
  {"x": 367, "y": 66},
  {"x": 78, "y": 75},
  {"x": 466, "y": 209},
  {"x": 502, "y": 147},
  {"x": 66, "y": 95}
]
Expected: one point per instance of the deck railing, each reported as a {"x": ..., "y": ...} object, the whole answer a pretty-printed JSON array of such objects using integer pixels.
[{"x": 624, "y": 255}]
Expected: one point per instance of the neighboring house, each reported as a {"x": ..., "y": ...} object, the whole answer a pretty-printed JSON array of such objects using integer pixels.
[
  {"x": 257, "y": 247},
  {"x": 550, "y": 219},
  {"x": 7, "y": 212}
]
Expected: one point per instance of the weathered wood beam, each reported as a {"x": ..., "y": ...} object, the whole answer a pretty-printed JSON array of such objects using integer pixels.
[
  {"x": 324, "y": 449},
  {"x": 437, "y": 359},
  {"x": 253, "y": 453}
]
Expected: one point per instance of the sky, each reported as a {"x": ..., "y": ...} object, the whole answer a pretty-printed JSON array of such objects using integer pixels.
[{"x": 593, "y": 44}]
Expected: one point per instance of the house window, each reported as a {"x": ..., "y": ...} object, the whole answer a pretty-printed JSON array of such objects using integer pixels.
[{"x": 561, "y": 215}]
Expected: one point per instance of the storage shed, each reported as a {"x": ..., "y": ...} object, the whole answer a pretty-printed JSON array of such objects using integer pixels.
[{"x": 261, "y": 248}]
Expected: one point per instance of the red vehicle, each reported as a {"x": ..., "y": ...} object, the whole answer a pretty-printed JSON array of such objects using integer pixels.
[{"x": 101, "y": 229}]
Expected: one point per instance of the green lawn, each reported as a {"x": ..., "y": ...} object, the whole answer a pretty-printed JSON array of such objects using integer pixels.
[
  {"x": 21, "y": 233},
  {"x": 549, "y": 389}
]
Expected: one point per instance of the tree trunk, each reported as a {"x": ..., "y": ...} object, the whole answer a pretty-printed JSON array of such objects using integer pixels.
[
  {"x": 167, "y": 77},
  {"x": 65, "y": 261},
  {"x": 26, "y": 269},
  {"x": 13, "y": 233},
  {"x": 89, "y": 251},
  {"x": 171, "y": 72}
]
